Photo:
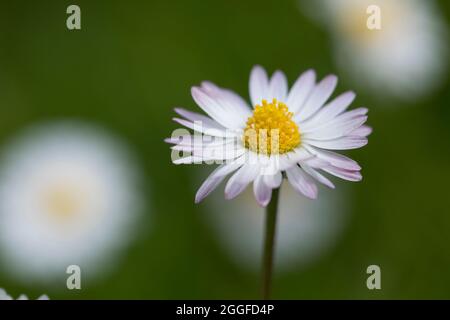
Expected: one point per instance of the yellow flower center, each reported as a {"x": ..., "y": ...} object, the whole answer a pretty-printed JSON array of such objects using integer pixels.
[
  {"x": 62, "y": 201},
  {"x": 270, "y": 130}
]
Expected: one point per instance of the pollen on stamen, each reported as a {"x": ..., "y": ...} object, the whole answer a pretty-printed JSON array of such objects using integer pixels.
[{"x": 271, "y": 130}]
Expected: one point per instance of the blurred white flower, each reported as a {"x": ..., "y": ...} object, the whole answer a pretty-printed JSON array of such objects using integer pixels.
[
  {"x": 68, "y": 195},
  {"x": 406, "y": 58},
  {"x": 306, "y": 229},
  {"x": 5, "y": 296}
]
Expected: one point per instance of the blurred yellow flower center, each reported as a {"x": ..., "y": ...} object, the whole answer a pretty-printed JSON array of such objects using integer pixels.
[
  {"x": 360, "y": 24},
  {"x": 62, "y": 201},
  {"x": 271, "y": 130}
]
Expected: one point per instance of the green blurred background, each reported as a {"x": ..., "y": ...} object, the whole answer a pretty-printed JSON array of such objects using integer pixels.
[{"x": 133, "y": 61}]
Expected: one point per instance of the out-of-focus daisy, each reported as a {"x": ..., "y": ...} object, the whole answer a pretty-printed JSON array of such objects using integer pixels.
[
  {"x": 284, "y": 131},
  {"x": 306, "y": 229},
  {"x": 5, "y": 296},
  {"x": 68, "y": 196},
  {"x": 410, "y": 44}
]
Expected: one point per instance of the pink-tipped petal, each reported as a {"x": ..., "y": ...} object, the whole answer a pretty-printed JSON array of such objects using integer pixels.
[
  {"x": 215, "y": 178},
  {"x": 337, "y": 129},
  {"x": 344, "y": 174},
  {"x": 301, "y": 182},
  {"x": 203, "y": 128},
  {"x": 362, "y": 131},
  {"x": 197, "y": 117},
  {"x": 240, "y": 180},
  {"x": 335, "y": 159},
  {"x": 318, "y": 176},
  {"x": 262, "y": 192},
  {"x": 344, "y": 143}
]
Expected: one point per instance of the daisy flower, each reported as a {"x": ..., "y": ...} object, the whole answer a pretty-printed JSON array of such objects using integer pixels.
[
  {"x": 68, "y": 196},
  {"x": 283, "y": 132},
  {"x": 5, "y": 296},
  {"x": 410, "y": 44},
  {"x": 290, "y": 132}
]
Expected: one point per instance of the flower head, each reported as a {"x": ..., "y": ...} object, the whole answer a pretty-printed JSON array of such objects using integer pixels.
[
  {"x": 284, "y": 131},
  {"x": 68, "y": 196},
  {"x": 409, "y": 42}
]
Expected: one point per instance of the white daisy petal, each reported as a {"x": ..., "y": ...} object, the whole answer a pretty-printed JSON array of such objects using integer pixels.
[
  {"x": 240, "y": 180},
  {"x": 336, "y": 159},
  {"x": 259, "y": 85},
  {"x": 344, "y": 143},
  {"x": 343, "y": 174},
  {"x": 215, "y": 178},
  {"x": 301, "y": 182},
  {"x": 299, "y": 154},
  {"x": 362, "y": 131},
  {"x": 336, "y": 129},
  {"x": 300, "y": 90},
  {"x": 320, "y": 94},
  {"x": 285, "y": 162},
  {"x": 315, "y": 126},
  {"x": 278, "y": 86},
  {"x": 191, "y": 145},
  {"x": 273, "y": 180},
  {"x": 229, "y": 100},
  {"x": 331, "y": 110},
  {"x": 318, "y": 176},
  {"x": 197, "y": 117},
  {"x": 181, "y": 139},
  {"x": 350, "y": 114},
  {"x": 262, "y": 191},
  {"x": 210, "y": 130},
  {"x": 227, "y": 152},
  {"x": 315, "y": 162},
  {"x": 187, "y": 160},
  {"x": 210, "y": 103}
]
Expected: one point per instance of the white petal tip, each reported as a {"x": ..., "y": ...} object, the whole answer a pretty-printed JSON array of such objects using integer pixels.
[
  {"x": 195, "y": 91},
  {"x": 310, "y": 73},
  {"x": 178, "y": 110},
  {"x": 258, "y": 67},
  {"x": 228, "y": 196},
  {"x": 262, "y": 204}
]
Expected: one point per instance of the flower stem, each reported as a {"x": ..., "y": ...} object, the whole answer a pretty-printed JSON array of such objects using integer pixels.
[{"x": 271, "y": 220}]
